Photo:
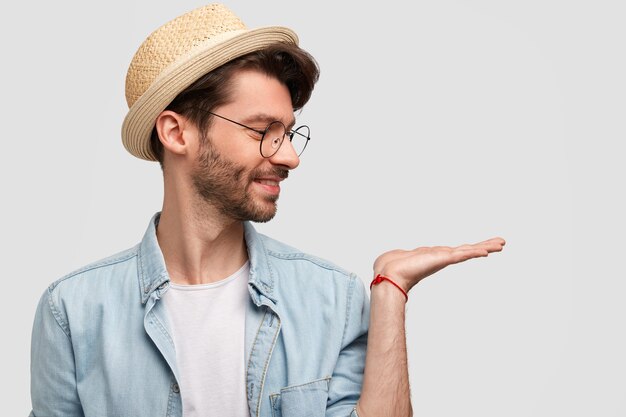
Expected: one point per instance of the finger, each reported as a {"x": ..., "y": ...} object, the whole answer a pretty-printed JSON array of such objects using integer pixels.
[
  {"x": 431, "y": 249},
  {"x": 491, "y": 245},
  {"x": 493, "y": 240},
  {"x": 463, "y": 255},
  {"x": 494, "y": 245}
]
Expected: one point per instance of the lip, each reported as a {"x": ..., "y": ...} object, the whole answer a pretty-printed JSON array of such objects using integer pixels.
[{"x": 273, "y": 188}]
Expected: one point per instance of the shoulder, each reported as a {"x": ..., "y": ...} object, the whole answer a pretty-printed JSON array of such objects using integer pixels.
[
  {"x": 111, "y": 265},
  {"x": 302, "y": 277},
  {"x": 81, "y": 294},
  {"x": 315, "y": 296},
  {"x": 284, "y": 253}
]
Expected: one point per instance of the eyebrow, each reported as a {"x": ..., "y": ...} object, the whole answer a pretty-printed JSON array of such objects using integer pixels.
[{"x": 264, "y": 117}]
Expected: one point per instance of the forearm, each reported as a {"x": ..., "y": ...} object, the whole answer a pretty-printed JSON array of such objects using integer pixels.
[{"x": 385, "y": 389}]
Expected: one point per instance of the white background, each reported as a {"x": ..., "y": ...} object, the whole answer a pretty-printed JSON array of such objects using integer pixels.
[{"x": 434, "y": 122}]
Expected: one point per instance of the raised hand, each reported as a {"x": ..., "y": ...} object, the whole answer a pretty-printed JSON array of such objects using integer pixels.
[{"x": 408, "y": 267}]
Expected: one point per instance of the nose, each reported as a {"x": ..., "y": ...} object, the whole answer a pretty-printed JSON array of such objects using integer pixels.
[{"x": 286, "y": 155}]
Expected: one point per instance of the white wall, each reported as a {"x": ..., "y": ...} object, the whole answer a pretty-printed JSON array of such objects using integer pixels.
[{"x": 434, "y": 122}]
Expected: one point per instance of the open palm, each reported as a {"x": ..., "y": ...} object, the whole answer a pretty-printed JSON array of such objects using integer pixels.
[{"x": 408, "y": 267}]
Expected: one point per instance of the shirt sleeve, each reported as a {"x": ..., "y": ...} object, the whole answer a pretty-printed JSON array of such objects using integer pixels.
[
  {"x": 347, "y": 380},
  {"x": 52, "y": 370}
]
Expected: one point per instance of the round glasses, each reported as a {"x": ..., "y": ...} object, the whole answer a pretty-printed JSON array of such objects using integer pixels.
[{"x": 273, "y": 136}]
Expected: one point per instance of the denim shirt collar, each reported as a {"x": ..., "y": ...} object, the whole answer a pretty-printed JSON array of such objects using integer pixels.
[
  {"x": 262, "y": 276},
  {"x": 153, "y": 273},
  {"x": 150, "y": 263}
]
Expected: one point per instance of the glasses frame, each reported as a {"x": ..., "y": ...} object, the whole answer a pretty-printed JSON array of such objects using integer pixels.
[{"x": 289, "y": 133}]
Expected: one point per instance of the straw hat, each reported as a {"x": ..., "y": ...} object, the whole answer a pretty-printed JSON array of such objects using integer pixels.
[{"x": 177, "y": 54}]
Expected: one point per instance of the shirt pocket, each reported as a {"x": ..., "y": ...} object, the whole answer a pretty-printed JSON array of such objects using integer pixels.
[{"x": 303, "y": 400}]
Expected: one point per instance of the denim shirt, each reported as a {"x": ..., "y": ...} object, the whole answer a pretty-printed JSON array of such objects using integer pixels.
[{"x": 102, "y": 344}]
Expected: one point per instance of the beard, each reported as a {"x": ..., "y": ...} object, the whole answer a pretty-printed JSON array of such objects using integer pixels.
[{"x": 224, "y": 185}]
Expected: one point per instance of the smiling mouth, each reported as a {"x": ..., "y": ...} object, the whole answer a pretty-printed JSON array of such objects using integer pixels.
[
  {"x": 269, "y": 186},
  {"x": 272, "y": 183},
  {"x": 269, "y": 181}
]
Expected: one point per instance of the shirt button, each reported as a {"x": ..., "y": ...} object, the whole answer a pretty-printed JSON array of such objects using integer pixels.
[{"x": 175, "y": 388}]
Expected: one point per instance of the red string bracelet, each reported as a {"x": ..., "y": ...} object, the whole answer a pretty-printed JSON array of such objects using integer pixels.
[{"x": 380, "y": 278}]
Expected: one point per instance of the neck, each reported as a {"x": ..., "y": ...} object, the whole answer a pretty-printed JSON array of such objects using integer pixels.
[{"x": 199, "y": 245}]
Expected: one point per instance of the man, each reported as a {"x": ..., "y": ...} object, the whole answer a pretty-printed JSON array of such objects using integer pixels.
[{"x": 205, "y": 316}]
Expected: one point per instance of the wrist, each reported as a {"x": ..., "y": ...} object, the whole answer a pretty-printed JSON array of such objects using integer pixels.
[
  {"x": 396, "y": 277},
  {"x": 386, "y": 287}
]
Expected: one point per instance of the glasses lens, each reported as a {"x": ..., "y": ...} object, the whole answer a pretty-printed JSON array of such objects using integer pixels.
[
  {"x": 272, "y": 139},
  {"x": 300, "y": 139}
]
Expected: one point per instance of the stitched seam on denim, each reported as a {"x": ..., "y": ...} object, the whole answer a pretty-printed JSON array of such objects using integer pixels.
[
  {"x": 267, "y": 362},
  {"x": 141, "y": 276},
  {"x": 256, "y": 337},
  {"x": 269, "y": 288},
  {"x": 91, "y": 267},
  {"x": 305, "y": 257},
  {"x": 144, "y": 291},
  {"x": 273, "y": 400},
  {"x": 161, "y": 328},
  {"x": 290, "y": 387},
  {"x": 169, "y": 401},
  {"x": 58, "y": 317},
  {"x": 348, "y": 305}
]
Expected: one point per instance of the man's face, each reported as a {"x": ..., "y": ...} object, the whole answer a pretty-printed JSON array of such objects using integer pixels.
[{"x": 230, "y": 174}]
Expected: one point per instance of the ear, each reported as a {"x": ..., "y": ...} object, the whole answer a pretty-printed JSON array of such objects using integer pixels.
[{"x": 173, "y": 131}]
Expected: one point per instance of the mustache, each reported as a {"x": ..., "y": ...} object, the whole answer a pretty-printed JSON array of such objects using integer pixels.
[{"x": 281, "y": 173}]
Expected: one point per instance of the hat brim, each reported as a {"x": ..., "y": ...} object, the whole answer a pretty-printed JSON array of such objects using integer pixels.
[{"x": 140, "y": 119}]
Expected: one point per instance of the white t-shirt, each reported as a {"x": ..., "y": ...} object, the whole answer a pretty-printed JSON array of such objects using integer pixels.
[{"x": 208, "y": 324}]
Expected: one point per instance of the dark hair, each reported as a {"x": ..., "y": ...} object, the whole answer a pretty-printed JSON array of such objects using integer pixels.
[{"x": 288, "y": 63}]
